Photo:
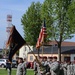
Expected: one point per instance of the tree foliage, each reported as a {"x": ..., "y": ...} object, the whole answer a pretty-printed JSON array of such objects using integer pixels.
[
  {"x": 62, "y": 25},
  {"x": 60, "y": 21},
  {"x": 31, "y": 22},
  {"x": 58, "y": 14}
]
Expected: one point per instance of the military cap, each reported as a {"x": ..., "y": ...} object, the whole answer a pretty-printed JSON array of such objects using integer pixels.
[
  {"x": 40, "y": 57},
  {"x": 54, "y": 57},
  {"x": 50, "y": 57},
  {"x": 44, "y": 57}
]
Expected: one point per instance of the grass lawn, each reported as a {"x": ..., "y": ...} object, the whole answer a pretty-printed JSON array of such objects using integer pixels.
[{"x": 4, "y": 72}]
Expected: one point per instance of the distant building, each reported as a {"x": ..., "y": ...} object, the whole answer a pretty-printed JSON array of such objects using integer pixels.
[
  {"x": 23, "y": 52},
  {"x": 1, "y": 53},
  {"x": 67, "y": 51}
]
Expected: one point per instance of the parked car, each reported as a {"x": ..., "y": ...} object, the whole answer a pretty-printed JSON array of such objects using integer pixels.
[
  {"x": 3, "y": 62},
  {"x": 14, "y": 64}
]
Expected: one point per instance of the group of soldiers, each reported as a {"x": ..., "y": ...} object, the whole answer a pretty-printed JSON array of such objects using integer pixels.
[
  {"x": 50, "y": 66},
  {"x": 21, "y": 66}
]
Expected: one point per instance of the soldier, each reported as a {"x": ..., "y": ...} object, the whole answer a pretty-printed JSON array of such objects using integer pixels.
[
  {"x": 8, "y": 67},
  {"x": 70, "y": 69},
  {"x": 35, "y": 67},
  {"x": 55, "y": 67},
  {"x": 45, "y": 65},
  {"x": 20, "y": 67},
  {"x": 49, "y": 62},
  {"x": 24, "y": 66},
  {"x": 74, "y": 67},
  {"x": 64, "y": 66},
  {"x": 39, "y": 66}
]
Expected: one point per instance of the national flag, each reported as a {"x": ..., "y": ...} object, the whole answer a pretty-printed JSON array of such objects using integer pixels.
[
  {"x": 42, "y": 35},
  {"x": 15, "y": 42}
]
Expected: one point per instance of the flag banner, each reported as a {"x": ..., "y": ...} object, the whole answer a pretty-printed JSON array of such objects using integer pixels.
[
  {"x": 15, "y": 42},
  {"x": 42, "y": 35}
]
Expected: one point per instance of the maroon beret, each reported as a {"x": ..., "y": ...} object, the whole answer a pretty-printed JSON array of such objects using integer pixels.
[
  {"x": 54, "y": 57},
  {"x": 50, "y": 57},
  {"x": 44, "y": 57}
]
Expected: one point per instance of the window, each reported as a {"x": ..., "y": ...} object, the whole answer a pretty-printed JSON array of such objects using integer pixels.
[
  {"x": 74, "y": 58},
  {"x": 31, "y": 58},
  {"x": 66, "y": 58}
]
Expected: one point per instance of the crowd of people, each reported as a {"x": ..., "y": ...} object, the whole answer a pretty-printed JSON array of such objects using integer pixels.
[
  {"x": 44, "y": 66},
  {"x": 50, "y": 66}
]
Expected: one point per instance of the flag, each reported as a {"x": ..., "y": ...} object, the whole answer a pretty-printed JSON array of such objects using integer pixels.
[
  {"x": 15, "y": 42},
  {"x": 42, "y": 35}
]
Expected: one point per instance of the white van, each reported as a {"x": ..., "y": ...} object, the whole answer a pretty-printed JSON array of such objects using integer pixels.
[{"x": 3, "y": 63}]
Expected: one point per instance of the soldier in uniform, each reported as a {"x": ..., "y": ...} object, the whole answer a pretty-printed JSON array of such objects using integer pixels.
[
  {"x": 70, "y": 69},
  {"x": 55, "y": 67},
  {"x": 8, "y": 67},
  {"x": 24, "y": 66},
  {"x": 74, "y": 67},
  {"x": 20, "y": 67},
  {"x": 35, "y": 67},
  {"x": 39, "y": 66},
  {"x": 64, "y": 66},
  {"x": 45, "y": 65},
  {"x": 48, "y": 65}
]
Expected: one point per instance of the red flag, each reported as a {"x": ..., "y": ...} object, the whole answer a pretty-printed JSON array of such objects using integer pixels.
[{"x": 42, "y": 35}]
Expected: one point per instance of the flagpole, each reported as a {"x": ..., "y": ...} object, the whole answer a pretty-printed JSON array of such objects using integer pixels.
[
  {"x": 38, "y": 52},
  {"x": 37, "y": 58},
  {"x": 42, "y": 47}
]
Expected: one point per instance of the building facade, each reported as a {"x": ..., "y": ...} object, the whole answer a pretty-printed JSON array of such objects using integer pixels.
[
  {"x": 67, "y": 51},
  {"x": 23, "y": 52}
]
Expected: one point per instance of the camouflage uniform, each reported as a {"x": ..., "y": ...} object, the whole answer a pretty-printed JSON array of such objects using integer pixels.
[
  {"x": 24, "y": 66},
  {"x": 55, "y": 67},
  {"x": 19, "y": 69},
  {"x": 35, "y": 67},
  {"x": 70, "y": 69},
  {"x": 64, "y": 66}
]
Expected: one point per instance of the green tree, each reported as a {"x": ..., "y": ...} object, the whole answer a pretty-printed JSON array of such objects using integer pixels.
[
  {"x": 31, "y": 22},
  {"x": 46, "y": 12},
  {"x": 62, "y": 25}
]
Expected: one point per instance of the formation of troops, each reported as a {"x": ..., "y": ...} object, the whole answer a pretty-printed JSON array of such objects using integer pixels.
[
  {"x": 50, "y": 66},
  {"x": 47, "y": 66}
]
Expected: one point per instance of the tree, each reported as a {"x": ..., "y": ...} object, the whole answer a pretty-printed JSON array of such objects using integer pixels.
[
  {"x": 31, "y": 22},
  {"x": 46, "y": 13},
  {"x": 60, "y": 12}
]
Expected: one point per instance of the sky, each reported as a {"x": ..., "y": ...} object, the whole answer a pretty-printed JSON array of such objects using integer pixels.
[{"x": 16, "y": 8}]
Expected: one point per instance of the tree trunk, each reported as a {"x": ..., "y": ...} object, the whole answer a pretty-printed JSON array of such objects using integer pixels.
[{"x": 59, "y": 52}]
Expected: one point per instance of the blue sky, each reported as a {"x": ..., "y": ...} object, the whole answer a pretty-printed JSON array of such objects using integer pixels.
[{"x": 16, "y": 8}]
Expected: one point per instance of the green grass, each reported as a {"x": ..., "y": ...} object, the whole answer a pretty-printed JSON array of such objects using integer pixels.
[{"x": 4, "y": 72}]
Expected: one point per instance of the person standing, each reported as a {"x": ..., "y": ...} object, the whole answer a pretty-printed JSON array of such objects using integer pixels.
[
  {"x": 20, "y": 67},
  {"x": 8, "y": 67},
  {"x": 55, "y": 67},
  {"x": 64, "y": 66},
  {"x": 49, "y": 62},
  {"x": 35, "y": 67},
  {"x": 70, "y": 69},
  {"x": 24, "y": 66}
]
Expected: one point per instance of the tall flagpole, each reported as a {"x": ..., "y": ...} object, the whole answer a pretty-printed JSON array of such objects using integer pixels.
[{"x": 42, "y": 47}]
